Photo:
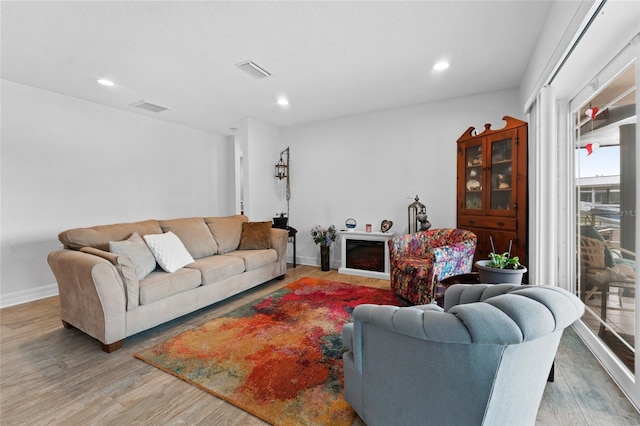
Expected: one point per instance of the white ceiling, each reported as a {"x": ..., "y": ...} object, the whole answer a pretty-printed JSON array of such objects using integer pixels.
[{"x": 329, "y": 59}]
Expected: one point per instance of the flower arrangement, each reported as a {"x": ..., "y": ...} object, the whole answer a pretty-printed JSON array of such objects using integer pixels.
[{"x": 322, "y": 236}]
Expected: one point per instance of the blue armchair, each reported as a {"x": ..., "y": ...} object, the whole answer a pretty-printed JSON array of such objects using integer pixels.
[{"x": 483, "y": 359}]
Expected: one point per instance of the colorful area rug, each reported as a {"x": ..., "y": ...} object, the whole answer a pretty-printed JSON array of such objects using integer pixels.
[{"x": 279, "y": 358}]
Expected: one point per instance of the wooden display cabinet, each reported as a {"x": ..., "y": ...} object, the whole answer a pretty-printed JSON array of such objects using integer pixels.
[{"x": 492, "y": 187}]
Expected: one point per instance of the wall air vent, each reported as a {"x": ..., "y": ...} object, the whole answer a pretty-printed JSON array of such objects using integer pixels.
[
  {"x": 253, "y": 69},
  {"x": 149, "y": 106}
]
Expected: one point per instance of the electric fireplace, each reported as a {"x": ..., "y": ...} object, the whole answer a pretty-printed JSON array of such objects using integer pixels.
[{"x": 365, "y": 253}]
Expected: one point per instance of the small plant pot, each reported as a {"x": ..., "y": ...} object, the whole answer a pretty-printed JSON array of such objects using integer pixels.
[
  {"x": 280, "y": 222},
  {"x": 498, "y": 276}
]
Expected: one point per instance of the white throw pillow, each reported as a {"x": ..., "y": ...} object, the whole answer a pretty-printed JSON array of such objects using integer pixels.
[{"x": 168, "y": 250}]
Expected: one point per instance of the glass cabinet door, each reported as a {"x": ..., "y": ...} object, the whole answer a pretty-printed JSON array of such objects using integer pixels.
[
  {"x": 502, "y": 176},
  {"x": 473, "y": 177}
]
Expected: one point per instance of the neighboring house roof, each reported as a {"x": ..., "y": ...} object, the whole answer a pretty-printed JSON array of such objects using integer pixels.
[{"x": 599, "y": 181}]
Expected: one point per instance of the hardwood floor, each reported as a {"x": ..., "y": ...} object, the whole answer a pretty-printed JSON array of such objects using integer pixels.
[{"x": 51, "y": 375}]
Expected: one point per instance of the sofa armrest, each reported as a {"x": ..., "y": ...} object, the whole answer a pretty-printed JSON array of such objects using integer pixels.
[
  {"x": 127, "y": 273},
  {"x": 279, "y": 239},
  {"x": 92, "y": 294}
]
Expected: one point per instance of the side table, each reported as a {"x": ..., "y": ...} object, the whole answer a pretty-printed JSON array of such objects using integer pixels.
[
  {"x": 470, "y": 278},
  {"x": 292, "y": 237}
]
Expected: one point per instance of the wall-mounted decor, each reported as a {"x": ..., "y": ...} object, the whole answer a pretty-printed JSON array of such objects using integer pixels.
[{"x": 283, "y": 171}]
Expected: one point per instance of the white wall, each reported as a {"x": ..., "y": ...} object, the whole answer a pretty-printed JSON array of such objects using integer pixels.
[
  {"x": 262, "y": 152},
  {"x": 70, "y": 163},
  {"x": 363, "y": 166}
]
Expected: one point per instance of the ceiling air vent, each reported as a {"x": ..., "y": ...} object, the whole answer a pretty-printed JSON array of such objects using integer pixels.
[
  {"x": 253, "y": 69},
  {"x": 149, "y": 106}
]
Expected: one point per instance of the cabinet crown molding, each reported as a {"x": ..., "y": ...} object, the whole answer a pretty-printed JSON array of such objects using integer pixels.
[{"x": 471, "y": 134}]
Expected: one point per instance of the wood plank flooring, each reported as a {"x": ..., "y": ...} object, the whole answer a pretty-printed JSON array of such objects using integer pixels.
[{"x": 52, "y": 376}]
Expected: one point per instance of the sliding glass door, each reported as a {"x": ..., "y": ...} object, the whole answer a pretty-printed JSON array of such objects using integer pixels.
[{"x": 606, "y": 192}]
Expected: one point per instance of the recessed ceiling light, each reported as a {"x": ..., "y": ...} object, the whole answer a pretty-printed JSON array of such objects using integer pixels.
[
  {"x": 442, "y": 65},
  {"x": 283, "y": 102},
  {"x": 105, "y": 82}
]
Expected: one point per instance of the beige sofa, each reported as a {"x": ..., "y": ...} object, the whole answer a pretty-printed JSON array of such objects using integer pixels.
[{"x": 110, "y": 295}]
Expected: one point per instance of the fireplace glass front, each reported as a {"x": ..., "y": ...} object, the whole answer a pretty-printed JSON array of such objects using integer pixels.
[{"x": 367, "y": 255}]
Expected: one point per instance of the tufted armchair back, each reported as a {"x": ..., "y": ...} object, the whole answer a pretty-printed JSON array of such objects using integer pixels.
[
  {"x": 417, "y": 260},
  {"x": 482, "y": 361}
]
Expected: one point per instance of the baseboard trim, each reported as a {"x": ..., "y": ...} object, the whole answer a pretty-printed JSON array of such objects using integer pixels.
[
  {"x": 314, "y": 261},
  {"x": 25, "y": 296}
]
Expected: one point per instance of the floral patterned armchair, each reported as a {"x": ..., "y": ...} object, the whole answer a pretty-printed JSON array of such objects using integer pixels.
[{"x": 417, "y": 261}]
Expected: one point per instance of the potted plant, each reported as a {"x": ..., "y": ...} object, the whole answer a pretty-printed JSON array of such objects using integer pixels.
[
  {"x": 500, "y": 268},
  {"x": 324, "y": 237},
  {"x": 280, "y": 220}
]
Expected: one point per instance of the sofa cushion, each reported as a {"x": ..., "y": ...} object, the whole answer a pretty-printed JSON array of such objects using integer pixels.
[
  {"x": 226, "y": 231},
  {"x": 217, "y": 268},
  {"x": 255, "y": 236},
  {"x": 253, "y": 259},
  {"x": 138, "y": 252},
  {"x": 169, "y": 251},
  {"x": 159, "y": 285},
  {"x": 99, "y": 236},
  {"x": 194, "y": 234}
]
